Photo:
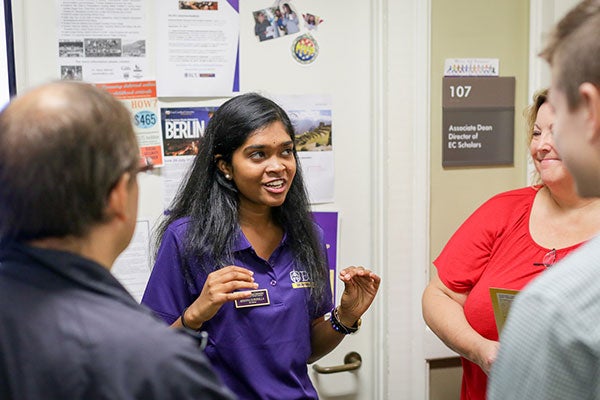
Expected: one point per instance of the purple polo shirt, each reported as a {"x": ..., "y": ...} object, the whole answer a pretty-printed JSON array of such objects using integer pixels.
[{"x": 260, "y": 352}]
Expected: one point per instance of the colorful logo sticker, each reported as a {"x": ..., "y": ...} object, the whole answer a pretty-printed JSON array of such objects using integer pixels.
[{"x": 305, "y": 49}]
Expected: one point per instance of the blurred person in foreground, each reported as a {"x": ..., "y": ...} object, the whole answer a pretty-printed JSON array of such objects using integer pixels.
[
  {"x": 550, "y": 346},
  {"x": 68, "y": 206},
  {"x": 506, "y": 243}
]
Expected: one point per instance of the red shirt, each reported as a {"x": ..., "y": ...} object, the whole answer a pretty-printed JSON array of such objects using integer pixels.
[{"x": 492, "y": 248}]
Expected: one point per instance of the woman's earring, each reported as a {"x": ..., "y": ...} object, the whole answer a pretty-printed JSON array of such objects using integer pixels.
[{"x": 228, "y": 177}]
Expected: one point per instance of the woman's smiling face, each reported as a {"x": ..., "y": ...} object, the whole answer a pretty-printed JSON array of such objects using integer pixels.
[
  {"x": 264, "y": 167},
  {"x": 543, "y": 150}
]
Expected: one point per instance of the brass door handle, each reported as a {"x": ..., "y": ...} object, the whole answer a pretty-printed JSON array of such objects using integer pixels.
[{"x": 352, "y": 361}]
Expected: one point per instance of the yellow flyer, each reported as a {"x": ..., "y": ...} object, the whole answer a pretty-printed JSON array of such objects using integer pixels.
[{"x": 501, "y": 301}]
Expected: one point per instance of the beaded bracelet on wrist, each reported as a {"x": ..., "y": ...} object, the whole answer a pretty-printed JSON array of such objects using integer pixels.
[{"x": 339, "y": 327}]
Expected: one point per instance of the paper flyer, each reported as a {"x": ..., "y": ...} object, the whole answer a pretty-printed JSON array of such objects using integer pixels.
[
  {"x": 140, "y": 99},
  {"x": 198, "y": 46},
  {"x": 501, "y": 301},
  {"x": 182, "y": 129},
  {"x": 132, "y": 268},
  {"x": 311, "y": 116},
  {"x": 103, "y": 41},
  {"x": 328, "y": 221}
]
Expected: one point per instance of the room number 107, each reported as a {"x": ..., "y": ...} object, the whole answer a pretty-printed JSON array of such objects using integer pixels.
[{"x": 460, "y": 91}]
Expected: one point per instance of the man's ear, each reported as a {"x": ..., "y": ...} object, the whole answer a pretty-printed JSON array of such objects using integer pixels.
[
  {"x": 118, "y": 197},
  {"x": 590, "y": 98}
]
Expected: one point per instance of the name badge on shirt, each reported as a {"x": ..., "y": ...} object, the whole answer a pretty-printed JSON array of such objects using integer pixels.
[{"x": 258, "y": 297}]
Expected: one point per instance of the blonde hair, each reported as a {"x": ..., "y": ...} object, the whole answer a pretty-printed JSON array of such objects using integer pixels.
[
  {"x": 531, "y": 112},
  {"x": 540, "y": 97}
]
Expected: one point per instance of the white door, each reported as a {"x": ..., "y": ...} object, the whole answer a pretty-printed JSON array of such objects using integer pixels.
[
  {"x": 374, "y": 62},
  {"x": 342, "y": 70}
]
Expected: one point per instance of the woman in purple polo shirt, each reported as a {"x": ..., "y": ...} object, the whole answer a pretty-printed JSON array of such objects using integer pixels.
[{"x": 241, "y": 258}]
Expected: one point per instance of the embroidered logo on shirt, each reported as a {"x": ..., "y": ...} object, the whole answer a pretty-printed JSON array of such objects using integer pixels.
[{"x": 300, "y": 279}]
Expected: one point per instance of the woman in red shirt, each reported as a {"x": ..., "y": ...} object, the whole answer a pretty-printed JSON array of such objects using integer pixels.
[{"x": 505, "y": 243}]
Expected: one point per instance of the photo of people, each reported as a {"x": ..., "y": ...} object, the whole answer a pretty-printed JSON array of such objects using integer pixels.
[
  {"x": 274, "y": 22},
  {"x": 102, "y": 47},
  {"x": 281, "y": 29},
  {"x": 311, "y": 21},
  {"x": 290, "y": 19},
  {"x": 71, "y": 72},
  {"x": 70, "y": 48},
  {"x": 264, "y": 24},
  {"x": 198, "y": 5}
]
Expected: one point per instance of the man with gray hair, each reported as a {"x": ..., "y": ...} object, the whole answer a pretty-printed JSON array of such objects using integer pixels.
[
  {"x": 68, "y": 207},
  {"x": 550, "y": 345}
]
